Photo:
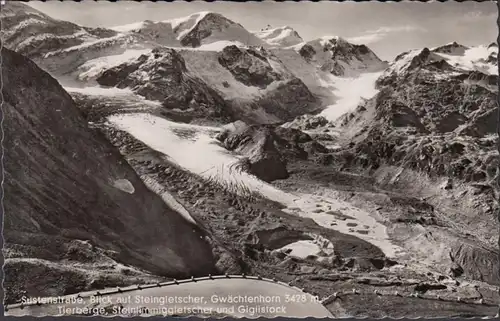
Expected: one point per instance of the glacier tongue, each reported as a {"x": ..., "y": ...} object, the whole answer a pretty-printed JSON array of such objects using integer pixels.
[
  {"x": 350, "y": 93},
  {"x": 184, "y": 143}
]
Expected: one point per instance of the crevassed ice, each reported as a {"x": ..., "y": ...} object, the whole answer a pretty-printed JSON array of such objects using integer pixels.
[{"x": 201, "y": 154}]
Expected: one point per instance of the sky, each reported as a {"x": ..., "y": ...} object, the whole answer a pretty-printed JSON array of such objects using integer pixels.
[{"x": 387, "y": 28}]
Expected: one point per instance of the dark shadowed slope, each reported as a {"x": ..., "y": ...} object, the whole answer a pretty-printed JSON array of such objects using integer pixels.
[{"x": 72, "y": 201}]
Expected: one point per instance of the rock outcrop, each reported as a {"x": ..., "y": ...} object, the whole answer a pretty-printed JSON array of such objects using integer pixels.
[
  {"x": 248, "y": 66},
  {"x": 257, "y": 145},
  {"x": 268, "y": 148}
]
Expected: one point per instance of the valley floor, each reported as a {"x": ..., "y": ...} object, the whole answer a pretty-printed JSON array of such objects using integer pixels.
[{"x": 321, "y": 229}]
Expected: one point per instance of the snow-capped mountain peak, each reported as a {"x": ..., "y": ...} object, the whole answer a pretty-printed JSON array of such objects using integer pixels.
[
  {"x": 340, "y": 57},
  {"x": 208, "y": 27},
  {"x": 195, "y": 30},
  {"x": 452, "y": 48},
  {"x": 450, "y": 58},
  {"x": 160, "y": 32},
  {"x": 280, "y": 37},
  {"x": 184, "y": 25}
]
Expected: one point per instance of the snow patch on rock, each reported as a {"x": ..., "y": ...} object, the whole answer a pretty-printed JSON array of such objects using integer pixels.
[
  {"x": 302, "y": 249},
  {"x": 187, "y": 24},
  {"x": 474, "y": 58},
  {"x": 124, "y": 185},
  {"x": 129, "y": 27},
  {"x": 85, "y": 45}
]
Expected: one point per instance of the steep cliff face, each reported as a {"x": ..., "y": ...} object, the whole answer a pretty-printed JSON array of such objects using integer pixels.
[{"x": 68, "y": 192}]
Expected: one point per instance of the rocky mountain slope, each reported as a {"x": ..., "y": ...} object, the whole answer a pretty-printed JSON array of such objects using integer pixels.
[
  {"x": 259, "y": 85},
  {"x": 77, "y": 216},
  {"x": 245, "y": 84},
  {"x": 34, "y": 34},
  {"x": 212, "y": 27},
  {"x": 260, "y": 154},
  {"x": 431, "y": 130},
  {"x": 341, "y": 58}
]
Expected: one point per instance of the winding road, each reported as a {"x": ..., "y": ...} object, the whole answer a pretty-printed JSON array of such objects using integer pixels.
[{"x": 231, "y": 295}]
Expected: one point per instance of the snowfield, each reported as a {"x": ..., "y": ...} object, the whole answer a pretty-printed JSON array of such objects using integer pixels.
[
  {"x": 468, "y": 59},
  {"x": 280, "y": 37},
  {"x": 350, "y": 92},
  {"x": 217, "y": 45},
  {"x": 100, "y": 91},
  {"x": 94, "y": 67},
  {"x": 473, "y": 58},
  {"x": 183, "y": 144},
  {"x": 318, "y": 246},
  {"x": 345, "y": 218},
  {"x": 129, "y": 27},
  {"x": 85, "y": 45},
  {"x": 302, "y": 249}
]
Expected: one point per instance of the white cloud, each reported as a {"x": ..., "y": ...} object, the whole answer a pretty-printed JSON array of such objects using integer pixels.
[
  {"x": 372, "y": 36},
  {"x": 366, "y": 39},
  {"x": 406, "y": 28}
]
